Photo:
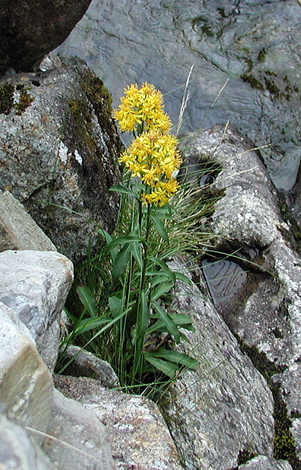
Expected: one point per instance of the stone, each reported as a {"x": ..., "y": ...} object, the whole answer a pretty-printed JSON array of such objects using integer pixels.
[
  {"x": 250, "y": 231},
  {"x": 18, "y": 231},
  {"x": 262, "y": 462},
  {"x": 35, "y": 284},
  {"x": 85, "y": 364},
  {"x": 77, "y": 439},
  {"x": 137, "y": 433},
  {"x": 26, "y": 387},
  {"x": 32, "y": 28},
  {"x": 17, "y": 450},
  {"x": 58, "y": 152},
  {"x": 225, "y": 405}
]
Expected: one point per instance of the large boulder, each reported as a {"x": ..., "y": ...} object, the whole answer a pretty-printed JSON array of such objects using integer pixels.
[
  {"x": 18, "y": 231},
  {"x": 77, "y": 439},
  {"x": 32, "y": 28},
  {"x": 58, "y": 153},
  {"x": 35, "y": 284},
  {"x": 223, "y": 408},
  {"x": 137, "y": 433},
  {"x": 253, "y": 271},
  {"x": 26, "y": 387}
]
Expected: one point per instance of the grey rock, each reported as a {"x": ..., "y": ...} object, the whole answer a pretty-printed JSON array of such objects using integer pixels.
[
  {"x": 77, "y": 439},
  {"x": 225, "y": 405},
  {"x": 85, "y": 364},
  {"x": 248, "y": 224},
  {"x": 265, "y": 463},
  {"x": 18, "y": 451},
  {"x": 58, "y": 124},
  {"x": 35, "y": 284},
  {"x": 18, "y": 231},
  {"x": 26, "y": 387},
  {"x": 32, "y": 28},
  {"x": 138, "y": 435}
]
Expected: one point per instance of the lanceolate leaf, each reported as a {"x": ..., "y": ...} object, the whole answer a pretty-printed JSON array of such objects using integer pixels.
[
  {"x": 161, "y": 289},
  {"x": 176, "y": 357},
  {"x": 120, "y": 262},
  {"x": 87, "y": 299},
  {"x": 143, "y": 315},
  {"x": 168, "y": 368},
  {"x": 90, "y": 323},
  {"x": 164, "y": 268},
  {"x": 168, "y": 321},
  {"x": 160, "y": 227},
  {"x": 119, "y": 188},
  {"x": 124, "y": 239}
]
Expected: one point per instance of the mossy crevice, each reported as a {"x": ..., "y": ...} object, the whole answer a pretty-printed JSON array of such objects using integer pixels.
[
  {"x": 284, "y": 443},
  {"x": 7, "y": 99}
]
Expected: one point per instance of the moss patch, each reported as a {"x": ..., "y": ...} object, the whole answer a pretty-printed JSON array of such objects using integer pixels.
[
  {"x": 284, "y": 443},
  {"x": 6, "y": 98},
  {"x": 24, "y": 101}
]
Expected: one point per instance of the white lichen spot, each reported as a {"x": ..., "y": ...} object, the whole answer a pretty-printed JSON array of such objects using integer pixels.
[
  {"x": 63, "y": 152},
  {"x": 78, "y": 157}
]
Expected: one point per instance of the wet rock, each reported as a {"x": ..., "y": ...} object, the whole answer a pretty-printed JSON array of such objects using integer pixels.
[
  {"x": 84, "y": 364},
  {"x": 35, "y": 284},
  {"x": 58, "y": 153},
  {"x": 80, "y": 439},
  {"x": 137, "y": 433},
  {"x": 225, "y": 405},
  {"x": 26, "y": 388},
  {"x": 18, "y": 231},
  {"x": 32, "y": 28},
  {"x": 17, "y": 450}
]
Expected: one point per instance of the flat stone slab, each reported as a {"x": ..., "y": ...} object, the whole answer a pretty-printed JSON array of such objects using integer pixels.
[
  {"x": 80, "y": 439},
  {"x": 18, "y": 231},
  {"x": 35, "y": 285},
  {"x": 26, "y": 387},
  {"x": 138, "y": 435}
]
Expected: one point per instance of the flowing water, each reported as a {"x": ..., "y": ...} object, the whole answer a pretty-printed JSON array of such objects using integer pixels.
[{"x": 254, "y": 44}]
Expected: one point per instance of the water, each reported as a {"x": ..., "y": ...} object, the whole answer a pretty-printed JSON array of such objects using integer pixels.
[{"x": 253, "y": 43}]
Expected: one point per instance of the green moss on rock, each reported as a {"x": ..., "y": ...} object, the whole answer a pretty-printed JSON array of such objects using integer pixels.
[{"x": 6, "y": 98}]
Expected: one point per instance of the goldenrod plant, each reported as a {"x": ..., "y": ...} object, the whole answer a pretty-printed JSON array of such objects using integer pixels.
[
  {"x": 127, "y": 303},
  {"x": 151, "y": 164}
]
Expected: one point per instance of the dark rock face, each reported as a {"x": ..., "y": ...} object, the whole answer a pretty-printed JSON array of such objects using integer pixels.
[
  {"x": 32, "y": 28},
  {"x": 58, "y": 154}
]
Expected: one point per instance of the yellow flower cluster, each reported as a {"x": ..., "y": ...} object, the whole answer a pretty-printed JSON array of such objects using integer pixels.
[
  {"x": 152, "y": 155},
  {"x": 142, "y": 109}
]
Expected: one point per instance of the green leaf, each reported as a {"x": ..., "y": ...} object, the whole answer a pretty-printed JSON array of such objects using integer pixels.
[
  {"x": 159, "y": 226},
  {"x": 143, "y": 315},
  {"x": 171, "y": 275},
  {"x": 163, "y": 212},
  {"x": 181, "y": 319},
  {"x": 120, "y": 262},
  {"x": 123, "y": 240},
  {"x": 156, "y": 278},
  {"x": 119, "y": 188},
  {"x": 168, "y": 368},
  {"x": 175, "y": 356},
  {"x": 115, "y": 305},
  {"x": 87, "y": 299},
  {"x": 161, "y": 289},
  {"x": 171, "y": 327},
  {"x": 105, "y": 235},
  {"x": 137, "y": 254},
  {"x": 90, "y": 323},
  {"x": 182, "y": 277}
]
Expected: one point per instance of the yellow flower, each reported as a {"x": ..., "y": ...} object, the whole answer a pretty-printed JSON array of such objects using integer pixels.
[{"x": 142, "y": 109}]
